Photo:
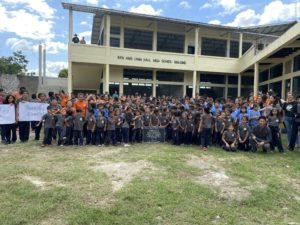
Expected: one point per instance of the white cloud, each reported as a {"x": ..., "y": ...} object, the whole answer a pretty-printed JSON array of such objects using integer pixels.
[
  {"x": 245, "y": 18},
  {"x": 83, "y": 23},
  {"x": 228, "y": 5},
  {"x": 25, "y": 24},
  {"x": 38, "y": 6},
  {"x": 92, "y": 2},
  {"x": 216, "y": 22},
  {"x": 146, "y": 9},
  {"x": 274, "y": 12},
  {"x": 118, "y": 5},
  {"x": 104, "y": 6},
  {"x": 24, "y": 45},
  {"x": 85, "y": 34},
  {"x": 185, "y": 5},
  {"x": 206, "y": 6},
  {"x": 277, "y": 11}
]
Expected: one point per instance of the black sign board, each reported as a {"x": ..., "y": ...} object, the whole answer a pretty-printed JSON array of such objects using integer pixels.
[{"x": 153, "y": 135}]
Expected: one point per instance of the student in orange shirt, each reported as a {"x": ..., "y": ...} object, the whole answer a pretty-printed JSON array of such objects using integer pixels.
[
  {"x": 82, "y": 104},
  {"x": 64, "y": 98}
]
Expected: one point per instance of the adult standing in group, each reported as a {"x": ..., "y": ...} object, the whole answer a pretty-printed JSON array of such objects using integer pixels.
[
  {"x": 296, "y": 124},
  {"x": 2, "y": 127},
  {"x": 24, "y": 126},
  {"x": 10, "y": 129},
  {"x": 288, "y": 116},
  {"x": 82, "y": 104}
]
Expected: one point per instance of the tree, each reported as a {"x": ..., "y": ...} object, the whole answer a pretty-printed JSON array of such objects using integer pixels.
[
  {"x": 15, "y": 64},
  {"x": 63, "y": 73}
]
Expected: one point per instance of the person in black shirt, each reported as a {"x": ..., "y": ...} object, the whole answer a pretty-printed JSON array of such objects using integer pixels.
[
  {"x": 261, "y": 135},
  {"x": 296, "y": 124},
  {"x": 75, "y": 39},
  {"x": 289, "y": 117}
]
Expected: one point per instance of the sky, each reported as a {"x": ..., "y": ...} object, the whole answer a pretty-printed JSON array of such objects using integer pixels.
[{"x": 24, "y": 24}]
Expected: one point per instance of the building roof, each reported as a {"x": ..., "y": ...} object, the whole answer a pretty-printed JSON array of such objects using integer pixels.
[{"x": 273, "y": 29}]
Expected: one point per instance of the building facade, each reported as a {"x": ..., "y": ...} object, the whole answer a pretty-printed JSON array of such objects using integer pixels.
[{"x": 133, "y": 53}]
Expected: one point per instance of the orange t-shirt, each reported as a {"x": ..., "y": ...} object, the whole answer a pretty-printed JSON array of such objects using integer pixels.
[
  {"x": 64, "y": 100},
  {"x": 82, "y": 105}
]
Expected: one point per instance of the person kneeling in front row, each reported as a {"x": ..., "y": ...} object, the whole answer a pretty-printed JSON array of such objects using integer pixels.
[{"x": 261, "y": 136}]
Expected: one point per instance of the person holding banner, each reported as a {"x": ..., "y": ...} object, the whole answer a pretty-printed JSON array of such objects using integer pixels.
[
  {"x": 10, "y": 129},
  {"x": 41, "y": 99},
  {"x": 24, "y": 126}
]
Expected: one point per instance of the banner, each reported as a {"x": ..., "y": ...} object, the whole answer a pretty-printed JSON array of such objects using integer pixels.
[
  {"x": 154, "y": 134},
  {"x": 32, "y": 111},
  {"x": 7, "y": 114}
]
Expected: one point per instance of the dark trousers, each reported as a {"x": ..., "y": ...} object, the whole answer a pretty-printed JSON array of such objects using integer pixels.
[
  {"x": 196, "y": 137},
  {"x": 10, "y": 133},
  {"x": 254, "y": 145},
  {"x": 37, "y": 131},
  {"x": 111, "y": 137},
  {"x": 181, "y": 137},
  {"x": 276, "y": 139},
  {"x": 244, "y": 146},
  {"x": 2, "y": 127},
  {"x": 119, "y": 134},
  {"x": 48, "y": 136},
  {"x": 137, "y": 135},
  {"x": 78, "y": 138},
  {"x": 188, "y": 138},
  {"x": 125, "y": 135},
  {"x": 229, "y": 149},
  {"x": 217, "y": 138},
  {"x": 175, "y": 137},
  {"x": 69, "y": 136},
  {"x": 100, "y": 137},
  {"x": 33, "y": 124},
  {"x": 59, "y": 131},
  {"x": 205, "y": 137},
  {"x": 294, "y": 136},
  {"x": 90, "y": 137},
  {"x": 24, "y": 129}
]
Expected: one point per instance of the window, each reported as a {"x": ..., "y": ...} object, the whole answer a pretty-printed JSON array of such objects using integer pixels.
[
  {"x": 138, "y": 39},
  {"x": 276, "y": 87},
  {"x": 246, "y": 46},
  {"x": 115, "y": 36},
  {"x": 264, "y": 89},
  {"x": 140, "y": 89},
  {"x": 167, "y": 42},
  {"x": 214, "y": 92},
  {"x": 296, "y": 85},
  {"x": 213, "y": 47},
  {"x": 264, "y": 76},
  {"x": 288, "y": 67},
  {"x": 115, "y": 42},
  {"x": 247, "y": 80},
  {"x": 232, "y": 79},
  {"x": 191, "y": 50},
  {"x": 169, "y": 90},
  {"x": 234, "y": 49},
  {"x": 276, "y": 71},
  {"x": 232, "y": 93},
  {"x": 245, "y": 92},
  {"x": 169, "y": 76},
  {"x": 129, "y": 74},
  {"x": 297, "y": 63},
  {"x": 212, "y": 78}
]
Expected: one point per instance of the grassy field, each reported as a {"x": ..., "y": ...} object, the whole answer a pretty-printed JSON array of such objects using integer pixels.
[{"x": 147, "y": 184}]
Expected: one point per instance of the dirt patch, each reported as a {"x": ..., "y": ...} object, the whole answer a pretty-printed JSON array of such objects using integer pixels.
[
  {"x": 214, "y": 175},
  {"x": 122, "y": 173},
  {"x": 39, "y": 183}
]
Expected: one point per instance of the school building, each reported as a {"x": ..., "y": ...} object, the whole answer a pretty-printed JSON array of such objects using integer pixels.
[{"x": 156, "y": 55}]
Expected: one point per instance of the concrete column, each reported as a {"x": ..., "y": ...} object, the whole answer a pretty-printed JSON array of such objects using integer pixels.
[
  {"x": 200, "y": 45},
  {"x": 196, "y": 41},
  {"x": 283, "y": 89},
  {"x": 154, "y": 40},
  {"x": 226, "y": 86},
  {"x": 185, "y": 43},
  {"x": 241, "y": 45},
  {"x": 44, "y": 65},
  {"x": 106, "y": 79},
  {"x": 239, "y": 89},
  {"x": 122, "y": 34},
  {"x": 194, "y": 83},
  {"x": 70, "y": 79},
  {"x": 121, "y": 89},
  {"x": 154, "y": 84},
  {"x": 70, "y": 25},
  {"x": 256, "y": 74},
  {"x": 107, "y": 31},
  {"x": 199, "y": 77},
  {"x": 184, "y": 89},
  {"x": 40, "y": 65},
  {"x": 292, "y": 85},
  {"x": 228, "y": 46}
]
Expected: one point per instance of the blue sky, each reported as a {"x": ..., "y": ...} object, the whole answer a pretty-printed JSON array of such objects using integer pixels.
[{"x": 26, "y": 23}]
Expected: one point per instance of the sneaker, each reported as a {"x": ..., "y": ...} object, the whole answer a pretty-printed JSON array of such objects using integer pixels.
[
  {"x": 126, "y": 145},
  {"x": 99, "y": 146},
  {"x": 42, "y": 145}
]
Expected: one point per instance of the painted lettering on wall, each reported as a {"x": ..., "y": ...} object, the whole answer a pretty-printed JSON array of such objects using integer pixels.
[{"x": 149, "y": 60}]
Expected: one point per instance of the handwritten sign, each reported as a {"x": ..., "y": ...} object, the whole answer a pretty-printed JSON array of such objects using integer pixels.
[
  {"x": 31, "y": 111},
  {"x": 7, "y": 114},
  {"x": 154, "y": 135}
]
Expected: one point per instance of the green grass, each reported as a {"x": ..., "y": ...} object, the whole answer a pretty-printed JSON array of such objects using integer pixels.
[{"x": 167, "y": 193}]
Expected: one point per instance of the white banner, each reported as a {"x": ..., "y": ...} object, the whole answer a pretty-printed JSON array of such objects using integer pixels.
[
  {"x": 32, "y": 111},
  {"x": 7, "y": 114}
]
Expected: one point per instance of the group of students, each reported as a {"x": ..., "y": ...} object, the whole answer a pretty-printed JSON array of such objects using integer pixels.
[{"x": 233, "y": 124}]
